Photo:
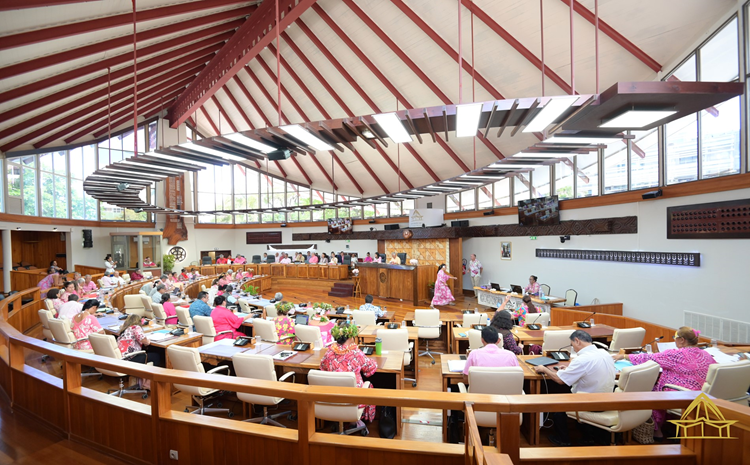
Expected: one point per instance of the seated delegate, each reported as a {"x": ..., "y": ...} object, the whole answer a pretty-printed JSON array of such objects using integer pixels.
[
  {"x": 491, "y": 355},
  {"x": 527, "y": 306},
  {"x": 533, "y": 287},
  {"x": 503, "y": 323},
  {"x": 369, "y": 307},
  {"x": 225, "y": 320}
]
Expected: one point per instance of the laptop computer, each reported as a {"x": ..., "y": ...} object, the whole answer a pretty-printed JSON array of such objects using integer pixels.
[
  {"x": 541, "y": 361},
  {"x": 516, "y": 288},
  {"x": 301, "y": 319},
  {"x": 495, "y": 286}
]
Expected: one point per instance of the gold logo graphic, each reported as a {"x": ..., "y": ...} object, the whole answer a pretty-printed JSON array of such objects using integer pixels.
[
  {"x": 702, "y": 426},
  {"x": 416, "y": 216}
]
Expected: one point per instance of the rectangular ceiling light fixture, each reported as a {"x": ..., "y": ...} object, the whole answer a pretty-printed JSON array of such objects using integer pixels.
[
  {"x": 248, "y": 142},
  {"x": 392, "y": 126},
  {"x": 510, "y": 166},
  {"x": 186, "y": 161},
  {"x": 210, "y": 151},
  {"x": 463, "y": 183},
  {"x": 467, "y": 119},
  {"x": 297, "y": 131},
  {"x": 542, "y": 155},
  {"x": 551, "y": 111},
  {"x": 581, "y": 140},
  {"x": 636, "y": 119}
]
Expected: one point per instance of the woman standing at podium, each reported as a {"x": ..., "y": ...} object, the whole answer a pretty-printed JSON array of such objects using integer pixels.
[{"x": 443, "y": 294}]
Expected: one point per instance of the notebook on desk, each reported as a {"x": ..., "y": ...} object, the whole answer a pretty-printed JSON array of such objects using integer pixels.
[
  {"x": 541, "y": 361},
  {"x": 456, "y": 366}
]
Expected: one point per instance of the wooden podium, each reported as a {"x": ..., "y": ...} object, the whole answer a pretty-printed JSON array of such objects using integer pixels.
[{"x": 404, "y": 282}]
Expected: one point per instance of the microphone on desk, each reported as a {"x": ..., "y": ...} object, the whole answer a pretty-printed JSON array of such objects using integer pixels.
[
  {"x": 533, "y": 326},
  {"x": 649, "y": 343},
  {"x": 584, "y": 323},
  {"x": 559, "y": 355}
]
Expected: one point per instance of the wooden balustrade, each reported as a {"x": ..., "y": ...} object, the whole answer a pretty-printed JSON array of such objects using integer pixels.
[
  {"x": 98, "y": 420},
  {"x": 92, "y": 270}
]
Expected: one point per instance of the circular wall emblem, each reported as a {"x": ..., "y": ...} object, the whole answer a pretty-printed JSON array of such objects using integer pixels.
[
  {"x": 382, "y": 277},
  {"x": 408, "y": 234},
  {"x": 179, "y": 253}
]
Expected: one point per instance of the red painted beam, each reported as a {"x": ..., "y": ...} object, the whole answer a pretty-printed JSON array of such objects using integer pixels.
[
  {"x": 116, "y": 94},
  {"x": 223, "y": 31},
  {"x": 249, "y": 40},
  {"x": 616, "y": 36},
  {"x": 86, "y": 86},
  {"x": 156, "y": 101},
  {"x": 447, "y": 48},
  {"x": 111, "y": 44},
  {"x": 95, "y": 112},
  {"x": 223, "y": 113},
  {"x": 81, "y": 27},
  {"x": 352, "y": 82},
  {"x": 7, "y": 5},
  {"x": 325, "y": 114},
  {"x": 259, "y": 86},
  {"x": 250, "y": 99},
  {"x": 210, "y": 121},
  {"x": 513, "y": 42}
]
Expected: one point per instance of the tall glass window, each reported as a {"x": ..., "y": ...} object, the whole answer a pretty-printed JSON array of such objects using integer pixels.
[
  {"x": 501, "y": 191},
  {"x": 540, "y": 179},
  {"x": 484, "y": 197},
  {"x": 616, "y": 167},
  {"x": 682, "y": 149},
  {"x": 588, "y": 175},
  {"x": 453, "y": 202},
  {"x": 644, "y": 159},
  {"x": 82, "y": 164},
  {"x": 468, "y": 200},
  {"x": 521, "y": 189},
  {"x": 564, "y": 180},
  {"x": 29, "y": 185}
]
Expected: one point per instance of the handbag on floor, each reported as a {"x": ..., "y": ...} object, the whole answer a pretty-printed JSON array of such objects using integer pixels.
[
  {"x": 387, "y": 424},
  {"x": 644, "y": 433}
]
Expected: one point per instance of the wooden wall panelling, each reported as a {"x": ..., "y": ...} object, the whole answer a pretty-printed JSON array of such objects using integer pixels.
[
  {"x": 26, "y": 317},
  {"x": 38, "y": 248},
  {"x": 92, "y": 270},
  {"x": 620, "y": 225},
  {"x": 381, "y": 245},
  {"x": 425, "y": 275},
  {"x": 455, "y": 264},
  {"x": 724, "y": 451},
  {"x": 436, "y": 454},
  {"x": 40, "y": 395},
  {"x": 609, "y": 309}
]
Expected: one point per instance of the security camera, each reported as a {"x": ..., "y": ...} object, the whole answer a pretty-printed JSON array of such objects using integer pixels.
[{"x": 564, "y": 238}]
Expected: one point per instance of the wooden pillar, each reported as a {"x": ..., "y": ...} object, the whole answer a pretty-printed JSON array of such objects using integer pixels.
[
  {"x": 305, "y": 429},
  {"x": 455, "y": 254},
  {"x": 509, "y": 435}
]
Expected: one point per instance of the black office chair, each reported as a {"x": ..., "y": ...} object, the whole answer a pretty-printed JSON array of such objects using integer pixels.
[
  {"x": 382, "y": 257},
  {"x": 402, "y": 256},
  {"x": 271, "y": 259},
  {"x": 256, "y": 258},
  {"x": 206, "y": 260},
  {"x": 347, "y": 260}
]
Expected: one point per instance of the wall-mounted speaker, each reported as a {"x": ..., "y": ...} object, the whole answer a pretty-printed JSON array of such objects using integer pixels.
[
  {"x": 391, "y": 226},
  {"x": 460, "y": 224},
  {"x": 88, "y": 239}
]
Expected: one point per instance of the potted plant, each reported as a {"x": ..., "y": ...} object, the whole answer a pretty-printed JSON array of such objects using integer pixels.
[
  {"x": 251, "y": 290},
  {"x": 168, "y": 259},
  {"x": 286, "y": 307}
]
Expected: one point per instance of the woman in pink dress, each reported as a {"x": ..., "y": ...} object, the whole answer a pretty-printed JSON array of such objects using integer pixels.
[
  {"x": 443, "y": 294},
  {"x": 86, "y": 323},
  {"x": 68, "y": 289},
  {"x": 345, "y": 356},
  {"x": 169, "y": 309},
  {"x": 225, "y": 320},
  {"x": 284, "y": 325},
  {"x": 685, "y": 366}
]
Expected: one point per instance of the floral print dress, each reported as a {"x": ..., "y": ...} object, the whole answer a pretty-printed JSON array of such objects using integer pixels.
[
  {"x": 686, "y": 367},
  {"x": 284, "y": 328},
  {"x": 349, "y": 358},
  {"x": 443, "y": 294},
  {"x": 521, "y": 313},
  {"x": 130, "y": 340},
  {"x": 81, "y": 330}
]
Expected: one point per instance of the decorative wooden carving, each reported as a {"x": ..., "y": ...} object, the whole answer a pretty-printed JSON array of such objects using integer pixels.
[
  {"x": 267, "y": 237},
  {"x": 717, "y": 220},
  {"x": 654, "y": 258},
  {"x": 620, "y": 225},
  {"x": 174, "y": 228}
]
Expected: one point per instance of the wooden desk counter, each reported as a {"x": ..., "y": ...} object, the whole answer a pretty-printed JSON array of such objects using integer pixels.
[
  {"x": 405, "y": 282},
  {"x": 495, "y": 299},
  {"x": 530, "y": 336}
]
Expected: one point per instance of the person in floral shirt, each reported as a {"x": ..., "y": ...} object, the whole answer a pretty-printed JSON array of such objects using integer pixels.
[
  {"x": 85, "y": 323},
  {"x": 284, "y": 324},
  {"x": 133, "y": 339},
  {"x": 345, "y": 356}
]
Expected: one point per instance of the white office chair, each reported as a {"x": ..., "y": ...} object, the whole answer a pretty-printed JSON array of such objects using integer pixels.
[
  {"x": 538, "y": 319},
  {"x": 205, "y": 326},
  {"x": 189, "y": 359},
  {"x": 148, "y": 311},
  {"x": 203, "y": 288},
  {"x": 309, "y": 334},
  {"x": 49, "y": 306},
  {"x": 44, "y": 317},
  {"x": 183, "y": 317},
  {"x": 159, "y": 315},
  {"x": 99, "y": 282},
  {"x": 545, "y": 288},
  {"x": 106, "y": 346},
  {"x": 555, "y": 340},
  {"x": 271, "y": 311},
  {"x": 364, "y": 318},
  {"x": 471, "y": 319},
  {"x": 493, "y": 380},
  {"x": 398, "y": 340},
  {"x": 260, "y": 367},
  {"x": 570, "y": 298},
  {"x": 475, "y": 339},
  {"x": 148, "y": 275},
  {"x": 134, "y": 304},
  {"x": 63, "y": 334},
  {"x": 245, "y": 307},
  {"x": 339, "y": 413},
  {"x": 265, "y": 329},
  {"x": 728, "y": 381},
  {"x": 126, "y": 278},
  {"x": 638, "y": 378},
  {"x": 631, "y": 338},
  {"x": 429, "y": 324}
]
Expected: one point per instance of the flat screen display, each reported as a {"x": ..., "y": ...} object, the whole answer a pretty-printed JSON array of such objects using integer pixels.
[
  {"x": 543, "y": 211},
  {"x": 339, "y": 226}
]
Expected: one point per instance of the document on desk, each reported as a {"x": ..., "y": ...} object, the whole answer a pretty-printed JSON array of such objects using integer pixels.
[
  {"x": 721, "y": 357},
  {"x": 664, "y": 346},
  {"x": 456, "y": 366},
  {"x": 157, "y": 336}
]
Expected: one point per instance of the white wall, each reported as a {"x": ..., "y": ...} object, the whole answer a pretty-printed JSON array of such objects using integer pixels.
[{"x": 656, "y": 293}]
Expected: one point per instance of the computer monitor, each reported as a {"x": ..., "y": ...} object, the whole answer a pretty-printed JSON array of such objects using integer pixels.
[
  {"x": 495, "y": 286},
  {"x": 516, "y": 288},
  {"x": 301, "y": 319}
]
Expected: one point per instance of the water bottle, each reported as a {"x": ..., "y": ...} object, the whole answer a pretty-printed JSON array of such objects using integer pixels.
[
  {"x": 541, "y": 294},
  {"x": 378, "y": 346},
  {"x": 492, "y": 437},
  {"x": 348, "y": 319}
]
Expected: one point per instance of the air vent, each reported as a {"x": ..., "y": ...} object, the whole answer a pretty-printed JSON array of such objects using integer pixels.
[{"x": 723, "y": 329}]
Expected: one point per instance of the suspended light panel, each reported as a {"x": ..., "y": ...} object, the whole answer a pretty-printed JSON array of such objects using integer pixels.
[
  {"x": 248, "y": 142},
  {"x": 297, "y": 131},
  {"x": 636, "y": 119},
  {"x": 467, "y": 119},
  {"x": 551, "y": 111},
  {"x": 392, "y": 126}
]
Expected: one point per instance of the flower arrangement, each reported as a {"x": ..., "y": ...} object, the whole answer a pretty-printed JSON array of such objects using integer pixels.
[
  {"x": 355, "y": 272},
  {"x": 285, "y": 307},
  {"x": 324, "y": 319},
  {"x": 323, "y": 306},
  {"x": 350, "y": 331}
]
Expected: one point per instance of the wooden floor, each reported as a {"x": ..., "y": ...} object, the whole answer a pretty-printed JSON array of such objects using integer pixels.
[{"x": 418, "y": 424}]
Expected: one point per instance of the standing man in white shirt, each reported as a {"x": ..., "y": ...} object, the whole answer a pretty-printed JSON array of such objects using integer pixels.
[
  {"x": 592, "y": 371},
  {"x": 475, "y": 271}
]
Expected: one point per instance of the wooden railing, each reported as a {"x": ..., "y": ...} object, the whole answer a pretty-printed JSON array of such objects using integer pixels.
[
  {"x": 92, "y": 270},
  {"x": 98, "y": 420}
]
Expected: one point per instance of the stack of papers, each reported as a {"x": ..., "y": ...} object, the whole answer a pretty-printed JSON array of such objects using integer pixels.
[
  {"x": 721, "y": 357},
  {"x": 157, "y": 336},
  {"x": 456, "y": 366},
  {"x": 664, "y": 346}
]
